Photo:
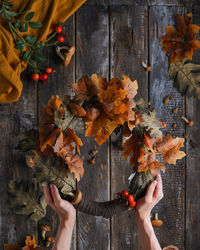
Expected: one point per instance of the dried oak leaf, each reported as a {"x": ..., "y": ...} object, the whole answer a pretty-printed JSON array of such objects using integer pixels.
[
  {"x": 150, "y": 123},
  {"x": 29, "y": 140},
  {"x": 186, "y": 77},
  {"x": 53, "y": 170},
  {"x": 179, "y": 42},
  {"x": 24, "y": 199},
  {"x": 169, "y": 147}
]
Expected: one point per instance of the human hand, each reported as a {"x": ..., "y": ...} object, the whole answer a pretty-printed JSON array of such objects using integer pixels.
[
  {"x": 153, "y": 195},
  {"x": 64, "y": 209}
]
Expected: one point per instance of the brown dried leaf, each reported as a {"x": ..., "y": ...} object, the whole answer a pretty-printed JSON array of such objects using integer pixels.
[
  {"x": 169, "y": 147},
  {"x": 180, "y": 42}
]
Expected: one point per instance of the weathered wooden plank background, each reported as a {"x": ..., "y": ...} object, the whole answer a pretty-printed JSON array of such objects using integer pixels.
[{"x": 111, "y": 38}]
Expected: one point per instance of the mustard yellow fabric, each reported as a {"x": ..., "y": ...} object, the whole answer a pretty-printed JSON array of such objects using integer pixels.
[{"x": 49, "y": 13}]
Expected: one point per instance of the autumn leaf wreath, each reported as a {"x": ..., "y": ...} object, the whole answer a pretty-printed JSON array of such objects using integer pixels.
[{"x": 53, "y": 151}]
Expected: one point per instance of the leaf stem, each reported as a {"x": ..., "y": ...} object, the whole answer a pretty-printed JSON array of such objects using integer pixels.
[{"x": 9, "y": 23}]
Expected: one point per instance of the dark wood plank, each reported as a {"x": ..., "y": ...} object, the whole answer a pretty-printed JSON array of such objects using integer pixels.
[
  {"x": 92, "y": 33},
  {"x": 58, "y": 85},
  {"x": 171, "y": 208},
  {"x": 128, "y": 47},
  {"x": 192, "y": 162},
  {"x": 139, "y": 2},
  {"x": 16, "y": 118}
]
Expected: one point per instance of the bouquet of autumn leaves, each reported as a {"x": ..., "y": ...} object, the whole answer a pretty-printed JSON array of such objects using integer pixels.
[{"x": 53, "y": 151}]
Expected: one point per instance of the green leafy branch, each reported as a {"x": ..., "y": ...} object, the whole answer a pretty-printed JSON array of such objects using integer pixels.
[{"x": 28, "y": 45}]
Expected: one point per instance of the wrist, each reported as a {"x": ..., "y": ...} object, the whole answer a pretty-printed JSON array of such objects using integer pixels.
[
  {"x": 67, "y": 222},
  {"x": 142, "y": 217}
]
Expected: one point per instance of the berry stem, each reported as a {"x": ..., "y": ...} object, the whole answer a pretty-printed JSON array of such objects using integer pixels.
[
  {"x": 51, "y": 44},
  {"x": 48, "y": 39}
]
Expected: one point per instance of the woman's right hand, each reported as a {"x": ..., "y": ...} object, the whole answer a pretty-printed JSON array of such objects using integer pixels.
[{"x": 153, "y": 195}]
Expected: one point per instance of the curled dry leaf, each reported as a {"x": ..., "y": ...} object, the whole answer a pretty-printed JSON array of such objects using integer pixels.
[{"x": 180, "y": 42}]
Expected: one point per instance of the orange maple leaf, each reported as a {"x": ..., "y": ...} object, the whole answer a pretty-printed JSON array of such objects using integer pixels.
[
  {"x": 102, "y": 128},
  {"x": 115, "y": 105},
  {"x": 169, "y": 147},
  {"x": 180, "y": 42}
]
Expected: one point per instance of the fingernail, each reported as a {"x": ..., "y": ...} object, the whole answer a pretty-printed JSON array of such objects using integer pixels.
[{"x": 52, "y": 186}]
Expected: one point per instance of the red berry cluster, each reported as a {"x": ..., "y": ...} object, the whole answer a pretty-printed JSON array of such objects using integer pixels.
[
  {"x": 60, "y": 36},
  {"x": 129, "y": 198},
  {"x": 43, "y": 76}
]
